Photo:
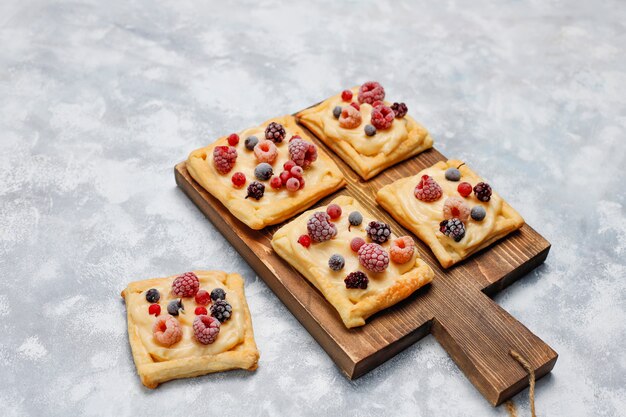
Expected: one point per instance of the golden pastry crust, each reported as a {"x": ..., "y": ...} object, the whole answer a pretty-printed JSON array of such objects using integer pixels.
[
  {"x": 322, "y": 178},
  {"x": 409, "y": 137},
  {"x": 244, "y": 355},
  {"x": 353, "y": 305},
  {"x": 423, "y": 218}
]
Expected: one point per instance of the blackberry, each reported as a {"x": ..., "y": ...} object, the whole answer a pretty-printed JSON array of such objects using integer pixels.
[
  {"x": 399, "y": 109},
  {"x": 221, "y": 310},
  {"x": 453, "y": 174},
  {"x": 453, "y": 228},
  {"x": 175, "y": 306},
  {"x": 152, "y": 295},
  {"x": 275, "y": 132},
  {"x": 251, "y": 142},
  {"x": 336, "y": 262},
  {"x": 356, "y": 279},
  {"x": 256, "y": 190},
  {"x": 482, "y": 191},
  {"x": 379, "y": 232},
  {"x": 218, "y": 294},
  {"x": 337, "y": 112},
  {"x": 263, "y": 171},
  {"x": 478, "y": 213},
  {"x": 370, "y": 130}
]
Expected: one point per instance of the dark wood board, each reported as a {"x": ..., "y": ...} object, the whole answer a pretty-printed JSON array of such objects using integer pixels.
[{"x": 455, "y": 307}]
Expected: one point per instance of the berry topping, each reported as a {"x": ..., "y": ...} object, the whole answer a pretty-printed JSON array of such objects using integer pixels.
[
  {"x": 334, "y": 211},
  {"x": 456, "y": 207},
  {"x": 288, "y": 165},
  {"x": 233, "y": 139},
  {"x": 377, "y": 103},
  {"x": 350, "y": 118},
  {"x": 453, "y": 174},
  {"x": 294, "y": 137},
  {"x": 402, "y": 249},
  {"x": 379, "y": 232},
  {"x": 203, "y": 297},
  {"x": 465, "y": 189},
  {"x": 275, "y": 132},
  {"x": 355, "y": 218},
  {"x": 478, "y": 213},
  {"x": 355, "y": 105},
  {"x": 428, "y": 190},
  {"x": 284, "y": 177},
  {"x": 152, "y": 295},
  {"x": 224, "y": 158},
  {"x": 453, "y": 228},
  {"x": 356, "y": 279},
  {"x": 218, "y": 294},
  {"x": 482, "y": 191},
  {"x": 276, "y": 183},
  {"x": 301, "y": 182},
  {"x": 370, "y": 92},
  {"x": 263, "y": 171},
  {"x": 370, "y": 130},
  {"x": 154, "y": 309},
  {"x": 296, "y": 172},
  {"x": 346, "y": 95},
  {"x": 251, "y": 142},
  {"x": 206, "y": 329},
  {"x": 265, "y": 151},
  {"x": 256, "y": 190},
  {"x": 186, "y": 285},
  {"x": 293, "y": 184},
  {"x": 382, "y": 117},
  {"x": 337, "y": 112},
  {"x": 175, "y": 306},
  {"x": 373, "y": 257},
  {"x": 305, "y": 240},
  {"x": 221, "y": 310},
  {"x": 200, "y": 310},
  {"x": 356, "y": 243},
  {"x": 302, "y": 153},
  {"x": 238, "y": 179},
  {"x": 320, "y": 228},
  {"x": 399, "y": 110},
  {"x": 167, "y": 331},
  {"x": 336, "y": 262}
]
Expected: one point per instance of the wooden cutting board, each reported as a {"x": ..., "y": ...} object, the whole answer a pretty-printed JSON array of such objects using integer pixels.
[{"x": 455, "y": 308}]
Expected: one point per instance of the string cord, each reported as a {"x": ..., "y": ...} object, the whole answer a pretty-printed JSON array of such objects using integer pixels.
[{"x": 510, "y": 406}]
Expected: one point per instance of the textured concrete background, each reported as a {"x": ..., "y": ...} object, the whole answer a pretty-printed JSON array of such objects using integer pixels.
[{"x": 99, "y": 100}]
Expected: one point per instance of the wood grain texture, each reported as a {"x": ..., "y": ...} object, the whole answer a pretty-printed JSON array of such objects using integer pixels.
[{"x": 455, "y": 308}]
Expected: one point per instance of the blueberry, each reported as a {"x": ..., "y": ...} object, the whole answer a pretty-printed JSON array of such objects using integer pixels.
[
  {"x": 370, "y": 130},
  {"x": 175, "y": 306},
  {"x": 453, "y": 174},
  {"x": 336, "y": 262},
  {"x": 218, "y": 294},
  {"x": 263, "y": 171},
  {"x": 337, "y": 112},
  {"x": 152, "y": 295},
  {"x": 251, "y": 142},
  {"x": 478, "y": 213},
  {"x": 355, "y": 218}
]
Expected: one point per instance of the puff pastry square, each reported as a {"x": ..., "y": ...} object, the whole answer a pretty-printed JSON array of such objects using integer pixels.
[
  {"x": 423, "y": 218},
  {"x": 354, "y": 306},
  {"x": 322, "y": 178},
  {"x": 366, "y": 155},
  {"x": 234, "y": 347}
]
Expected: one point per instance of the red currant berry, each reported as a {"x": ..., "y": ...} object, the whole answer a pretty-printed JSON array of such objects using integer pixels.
[
  {"x": 238, "y": 179},
  {"x": 284, "y": 176},
  {"x": 288, "y": 165},
  {"x": 233, "y": 139},
  {"x": 203, "y": 297},
  {"x": 305, "y": 240},
  {"x": 346, "y": 95},
  {"x": 276, "y": 182},
  {"x": 355, "y": 105},
  {"x": 200, "y": 311},
  {"x": 334, "y": 211},
  {"x": 154, "y": 309},
  {"x": 465, "y": 189},
  {"x": 296, "y": 172},
  {"x": 301, "y": 183}
]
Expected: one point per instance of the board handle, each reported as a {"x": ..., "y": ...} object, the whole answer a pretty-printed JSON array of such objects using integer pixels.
[{"x": 479, "y": 335}]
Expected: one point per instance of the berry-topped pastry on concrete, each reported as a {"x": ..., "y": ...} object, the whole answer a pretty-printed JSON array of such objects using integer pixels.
[
  {"x": 267, "y": 174},
  {"x": 189, "y": 325},
  {"x": 451, "y": 209},
  {"x": 367, "y": 132},
  {"x": 355, "y": 261}
]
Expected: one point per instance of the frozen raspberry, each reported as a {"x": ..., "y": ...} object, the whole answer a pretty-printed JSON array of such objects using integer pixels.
[
  {"x": 478, "y": 213},
  {"x": 355, "y": 105},
  {"x": 200, "y": 310},
  {"x": 350, "y": 118},
  {"x": 305, "y": 240},
  {"x": 275, "y": 132},
  {"x": 402, "y": 249},
  {"x": 346, "y": 95},
  {"x": 251, "y": 142},
  {"x": 186, "y": 285},
  {"x": 465, "y": 189},
  {"x": 370, "y": 92},
  {"x": 288, "y": 165},
  {"x": 428, "y": 190},
  {"x": 167, "y": 331},
  {"x": 482, "y": 191},
  {"x": 399, "y": 110},
  {"x": 336, "y": 262},
  {"x": 382, "y": 117},
  {"x": 356, "y": 243},
  {"x": 276, "y": 183},
  {"x": 284, "y": 177},
  {"x": 453, "y": 228},
  {"x": 266, "y": 151},
  {"x": 296, "y": 172},
  {"x": 293, "y": 184},
  {"x": 334, "y": 211},
  {"x": 379, "y": 232},
  {"x": 203, "y": 297},
  {"x": 255, "y": 190},
  {"x": 356, "y": 279},
  {"x": 221, "y": 310},
  {"x": 294, "y": 137},
  {"x": 152, "y": 295},
  {"x": 233, "y": 139},
  {"x": 263, "y": 171},
  {"x": 377, "y": 103},
  {"x": 239, "y": 179},
  {"x": 302, "y": 153},
  {"x": 154, "y": 309},
  {"x": 373, "y": 257},
  {"x": 456, "y": 207},
  {"x": 218, "y": 294},
  {"x": 206, "y": 329},
  {"x": 224, "y": 158},
  {"x": 320, "y": 228}
]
